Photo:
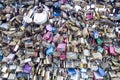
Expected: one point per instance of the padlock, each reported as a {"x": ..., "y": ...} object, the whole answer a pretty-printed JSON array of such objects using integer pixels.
[
  {"x": 47, "y": 75},
  {"x": 43, "y": 72},
  {"x": 62, "y": 56},
  {"x": 75, "y": 49},
  {"x": 61, "y": 47},
  {"x": 17, "y": 46}
]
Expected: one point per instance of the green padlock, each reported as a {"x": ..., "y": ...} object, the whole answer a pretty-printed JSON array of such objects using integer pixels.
[{"x": 99, "y": 41}]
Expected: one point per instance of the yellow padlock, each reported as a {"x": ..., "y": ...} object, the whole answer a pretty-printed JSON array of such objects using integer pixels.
[
  {"x": 98, "y": 16},
  {"x": 81, "y": 65},
  {"x": 104, "y": 30},
  {"x": 22, "y": 28}
]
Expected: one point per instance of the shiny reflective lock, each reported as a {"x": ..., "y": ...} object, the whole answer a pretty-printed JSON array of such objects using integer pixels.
[{"x": 41, "y": 18}]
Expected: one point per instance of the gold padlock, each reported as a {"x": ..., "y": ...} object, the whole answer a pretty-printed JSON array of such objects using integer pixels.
[
  {"x": 76, "y": 49},
  {"x": 70, "y": 38},
  {"x": 22, "y": 28},
  {"x": 43, "y": 72}
]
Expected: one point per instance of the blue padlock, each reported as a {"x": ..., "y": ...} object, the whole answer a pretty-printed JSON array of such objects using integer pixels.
[
  {"x": 71, "y": 71},
  {"x": 56, "y": 14},
  {"x": 1, "y": 55},
  {"x": 101, "y": 71},
  {"x": 50, "y": 50},
  {"x": 96, "y": 34},
  {"x": 1, "y": 6},
  {"x": 83, "y": 70},
  {"x": 100, "y": 49},
  {"x": 53, "y": 29},
  {"x": 56, "y": 9}
]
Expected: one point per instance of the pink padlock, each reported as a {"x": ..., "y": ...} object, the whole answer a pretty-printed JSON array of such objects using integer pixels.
[
  {"x": 56, "y": 37},
  {"x": 61, "y": 47},
  {"x": 50, "y": 39},
  {"x": 65, "y": 40},
  {"x": 89, "y": 16},
  {"x": 112, "y": 50},
  {"x": 47, "y": 35},
  {"x": 63, "y": 1},
  {"x": 106, "y": 48},
  {"x": 92, "y": 41},
  {"x": 63, "y": 57}
]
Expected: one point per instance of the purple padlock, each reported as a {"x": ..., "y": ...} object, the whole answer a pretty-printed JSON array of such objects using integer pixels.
[
  {"x": 27, "y": 68},
  {"x": 62, "y": 1}
]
